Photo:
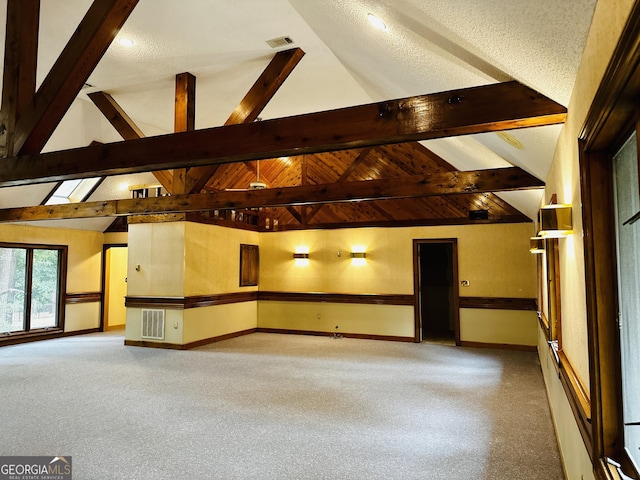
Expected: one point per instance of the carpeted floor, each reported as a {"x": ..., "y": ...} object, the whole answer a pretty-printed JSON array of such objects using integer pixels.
[{"x": 269, "y": 406}]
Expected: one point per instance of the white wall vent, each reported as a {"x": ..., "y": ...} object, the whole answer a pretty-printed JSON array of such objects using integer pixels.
[
  {"x": 153, "y": 324},
  {"x": 280, "y": 42}
]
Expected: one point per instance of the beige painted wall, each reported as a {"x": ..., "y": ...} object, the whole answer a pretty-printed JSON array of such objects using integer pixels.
[
  {"x": 564, "y": 177},
  {"x": 206, "y": 259},
  {"x": 212, "y": 258},
  {"x": 511, "y": 327},
  {"x": 82, "y": 316},
  {"x": 85, "y": 251},
  {"x": 575, "y": 459},
  {"x": 564, "y": 180},
  {"x": 156, "y": 260},
  {"x": 210, "y": 322},
  {"x": 173, "y": 326},
  {"x": 191, "y": 325},
  {"x": 83, "y": 268},
  {"x": 121, "y": 238},
  {"x": 181, "y": 259},
  {"x": 494, "y": 258},
  {"x": 386, "y": 320}
]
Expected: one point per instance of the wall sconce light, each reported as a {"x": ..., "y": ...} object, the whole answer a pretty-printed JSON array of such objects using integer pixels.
[
  {"x": 358, "y": 256},
  {"x": 301, "y": 256},
  {"x": 537, "y": 245},
  {"x": 555, "y": 221}
]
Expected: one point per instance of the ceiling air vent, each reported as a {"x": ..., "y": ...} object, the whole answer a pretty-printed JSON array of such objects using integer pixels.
[
  {"x": 153, "y": 324},
  {"x": 478, "y": 214},
  {"x": 280, "y": 42}
]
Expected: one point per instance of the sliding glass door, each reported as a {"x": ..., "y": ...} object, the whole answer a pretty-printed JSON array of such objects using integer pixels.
[
  {"x": 30, "y": 293},
  {"x": 13, "y": 275},
  {"x": 627, "y": 201}
]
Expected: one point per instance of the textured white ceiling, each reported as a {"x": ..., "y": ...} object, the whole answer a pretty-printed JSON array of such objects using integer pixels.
[{"x": 430, "y": 46}]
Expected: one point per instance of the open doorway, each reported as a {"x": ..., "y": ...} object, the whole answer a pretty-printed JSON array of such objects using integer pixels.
[
  {"x": 436, "y": 290},
  {"x": 114, "y": 313}
]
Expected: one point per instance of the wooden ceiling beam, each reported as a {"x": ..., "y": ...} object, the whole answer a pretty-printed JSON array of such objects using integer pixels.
[
  {"x": 184, "y": 121},
  {"x": 252, "y": 104},
  {"x": 185, "y": 103},
  {"x": 68, "y": 75},
  {"x": 449, "y": 183},
  {"x": 116, "y": 116},
  {"x": 304, "y": 180},
  {"x": 263, "y": 90},
  {"x": 294, "y": 213},
  {"x": 20, "y": 60},
  {"x": 459, "y": 112},
  {"x": 127, "y": 129}
]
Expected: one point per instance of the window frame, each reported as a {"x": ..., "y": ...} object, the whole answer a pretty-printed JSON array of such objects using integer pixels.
[
  {"x": 549, "y": 304},
  {"x": 62, "y": 281},
  {"x": 612, "y": 117}
]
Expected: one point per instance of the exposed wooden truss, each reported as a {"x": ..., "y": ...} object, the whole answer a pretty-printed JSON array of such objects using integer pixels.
[
  {"x": 345, "y": 175},
  {"x": 247, "y": 111},
  {"x": 184, "y": 121},
  {"x": 473, "y": 110},
  {"x": 330, "y": 186},
  {"x": 19, "y": 82},
  {"x": 126, "y": 127},
  {"x": 68, "y": 75},
  {"x": 449, "y": 183},
  {"x": 252, "y": 104}
]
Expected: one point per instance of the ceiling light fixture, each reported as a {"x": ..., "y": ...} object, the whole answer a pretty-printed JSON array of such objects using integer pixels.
[
  {"x": 125, "y": 42},
  {"x": 376, "y": 22}
]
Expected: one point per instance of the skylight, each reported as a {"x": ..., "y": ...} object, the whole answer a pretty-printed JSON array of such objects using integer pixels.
[{"x": 73, "y": 191}]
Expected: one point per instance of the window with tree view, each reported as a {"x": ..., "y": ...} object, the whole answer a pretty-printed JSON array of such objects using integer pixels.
[
  {"x": 627, "y": 201},
  {"x": 30, "y": 288}
]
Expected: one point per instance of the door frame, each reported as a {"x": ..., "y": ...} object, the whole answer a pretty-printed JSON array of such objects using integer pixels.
[
  {"x": 103, "y": 280},
  {"x": 416, "y": 285}
]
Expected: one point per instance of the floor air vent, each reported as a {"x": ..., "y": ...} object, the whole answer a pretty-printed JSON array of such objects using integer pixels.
[{"x": 153, "y": 324}]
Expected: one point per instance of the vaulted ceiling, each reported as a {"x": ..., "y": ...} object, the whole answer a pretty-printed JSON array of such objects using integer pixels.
[{"x": 203, "y": 64}]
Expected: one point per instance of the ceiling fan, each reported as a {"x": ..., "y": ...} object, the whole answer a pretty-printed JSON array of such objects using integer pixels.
[{"x": 257, "y": 185}]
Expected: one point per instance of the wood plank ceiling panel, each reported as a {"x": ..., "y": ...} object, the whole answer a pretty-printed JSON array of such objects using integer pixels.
[{"x": 386, "y": 161}]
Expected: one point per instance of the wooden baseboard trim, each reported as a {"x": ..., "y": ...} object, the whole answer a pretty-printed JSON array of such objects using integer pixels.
[
  {"x": 19, "y": 338},
  {"x": 361, "y": 336},
  {"x": 500, "y": 346},
  {"x": 187, "y": 346},
  {"x": 183, "y": 303},
  {"x": 111, "y": 328},
  {"x": 220, "y": 338},
  {"x": 359, "y": 298}
]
